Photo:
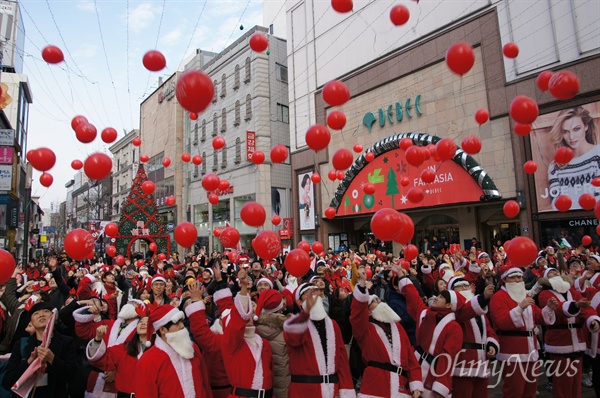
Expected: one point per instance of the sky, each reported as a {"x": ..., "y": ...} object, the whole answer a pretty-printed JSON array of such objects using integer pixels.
[{"x": 103, "y": 77}]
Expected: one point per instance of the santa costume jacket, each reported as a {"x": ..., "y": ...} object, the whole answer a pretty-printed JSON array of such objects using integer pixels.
[
  {"x": 307, "y": 358},
  {"x": 376, "y": 348},
  {"x": 439, "y": 336},
  {"x": 592, "y": 340},
  {"x": 116, "y": 358}
]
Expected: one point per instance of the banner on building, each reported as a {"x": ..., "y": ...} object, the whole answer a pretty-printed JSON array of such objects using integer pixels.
[
  {"x": 250, "y": 144},
  {"x": 6, "y": 177},
  {"x": 7, "y": 137},
  {"x": 306, "y": 200},
  {"x": 6, "y": 154}
]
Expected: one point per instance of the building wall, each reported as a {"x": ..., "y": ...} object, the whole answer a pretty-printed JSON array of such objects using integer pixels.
[{"x": 125, "y": 157}]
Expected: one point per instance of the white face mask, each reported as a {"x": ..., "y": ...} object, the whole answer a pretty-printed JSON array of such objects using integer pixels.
[
  {"x": 181, "y": 342},
  {"x": 516, "y": 290},
  {"x": 559, "y": 284}
]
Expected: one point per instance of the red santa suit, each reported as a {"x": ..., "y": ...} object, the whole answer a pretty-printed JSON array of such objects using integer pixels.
[
  {"x": 378, "y": 350},
  {"x": 515, "y": 328},
  {"x": 210, "y": 342},
  {"x": 249, "y": 365},
  {"x": 565, "y": 340},
  {"x": 439, "y": 339},
  {"x": 430, "y": 276},
  {"x": 116, "y": 357},
  {"x": 328, "y": 372},
  {"x": 473, "y": 272}
]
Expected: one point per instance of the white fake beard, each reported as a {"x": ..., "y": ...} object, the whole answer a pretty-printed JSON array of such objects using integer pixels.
[
  {"x": 467, "y": 294},
  {"x": 216, "y": 327},
  {"x": 182, "y": 344},
  {"x": 317, "y": 312},
  {"x": 384, "y": 313},
  {"x": 448, "y": 274},
  {"x": 516, "y": 291},
  {"x": 559, "y": 284},
  {"x": 127, "y": 312}
]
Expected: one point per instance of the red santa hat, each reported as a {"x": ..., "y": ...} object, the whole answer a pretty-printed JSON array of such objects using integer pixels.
[
  {"x": 457, "y": 281},
  {"x": 481, "y": 255},
  {"x": 159, "y": 317},
  {"x": 456, "y": 300},
  {"x": 510, "y": 270},
  {"x": 443, "y": 267},
  {"x": 303, "y": 288},
  {"x": 210, "y": 271},
  {"x": 595, "y": 257},
  {"x": 548, "y": 271},
  {"x": 269, "y": 301},
  {"x": 265, "y": 279},
  {"x": 159, "y": 278}
]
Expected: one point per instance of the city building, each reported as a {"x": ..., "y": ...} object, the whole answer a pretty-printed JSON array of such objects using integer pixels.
[{"x": 125, "y": 164}]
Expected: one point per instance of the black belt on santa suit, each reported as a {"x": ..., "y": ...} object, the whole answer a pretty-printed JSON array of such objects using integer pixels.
[
  {"x": 389, "y": 367},
  {"x": 425, "y": 356},
  {"x": 563, "y": 326},
  {"x": 121, "y": 394},
  {"x": 246, "y": 392},
  {"x": 318, "y": 379},
  {"x": 515, "y": 333},
  {"x": 473, "y": 346},
  {"x": 220, "y": 387}
]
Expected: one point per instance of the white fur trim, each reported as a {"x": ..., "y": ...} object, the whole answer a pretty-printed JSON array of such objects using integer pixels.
[
  {"x": 415, "y": 386},
  {"x": 393, "y": 352},
  {"x": 453, "y": 300},
  {"x": 258, "y": 377},
  {"x": 513, "y": 358},
  {"x": 565, "y": 349},
  {"x": 548, "y": 315},
  {"x": 439, "y": 328},
  {"x": 491, "y": 340},
  {"x": 347, "y": 393},
  {"x": 116, "y": 338},
  {"x": 80, "y": 317},
  {"x": 99, "y": 352},
  {"x": 589, "y": 321},
  {"x": 221, "y": 294},
  {"x": 474, "y": 268},
  {"x": 440, "y": 389},
  {"x": 195, "y": 307},
  {"x": 426, "y": 269},
  {"x": 263, "y": 279},
  {"x": 168, "y": 317},
  {"x": 511, "y": 271},
  {"x": 595, "y": 301},
  {"x": 477, "y": 308},
  {"x": 242, "y": 304},
  {"x": 403, "y": 282},
  {"x": 328, "y": 368},
  {"x": 565, "y": 309},
  {"x": 182, "y": 366},
  {"x": 295, "y": 328},
  {"x": 578, "y": 283},
  {"x": 360, "y": 296},
  {"x": 90, "y": 277},
  {"x": 516, "y": 314},
  {"x": 98, "y": 391}
]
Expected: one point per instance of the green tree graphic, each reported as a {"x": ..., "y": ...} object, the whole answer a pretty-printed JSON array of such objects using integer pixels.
[{"x": 392, "y": 185}]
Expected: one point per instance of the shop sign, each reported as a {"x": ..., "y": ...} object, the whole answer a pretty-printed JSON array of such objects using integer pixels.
[
  {"x": 393, "y": 113},
  {"x": 287, "y": 230},
  {"x": 167, "y": 94},
  {"x": 6, "y": 155},
  {"x": 221, "y": 192},
  {"x": 592, "y": 222},
  {"x": 250, "y": 144},
  {"x": 7, "y": 137},
  {"x": 6, "y": 177}
]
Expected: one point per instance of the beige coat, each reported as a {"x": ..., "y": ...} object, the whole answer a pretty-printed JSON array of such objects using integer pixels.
[{"x": 270, "y": 327}]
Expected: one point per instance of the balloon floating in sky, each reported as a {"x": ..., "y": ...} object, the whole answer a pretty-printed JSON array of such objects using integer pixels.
[
  {"x": 97, "y": 166},
  {"x": 109, "y": 135},
  {"x": 41, "y": 159},
  {"x": 77, "y": 120},
  {"x": 543, "y": 79},
  {"x": 259, "y": 42},
  {"x": 336, "y": 93},
  {"x": 336, "y": 120},
  {"x": 52, "y": 54},
  {"x": 136, "y": 142},
  {"x": 194, "y": 91},
  {"x": 154, "y": 61},
  {"x": 460, "y": 58},
  {"x": 523, "y": 109},
  {"x": 76, "y": 164},
  {"x": 510, "y": 50},
  {"x": 563, "y": 85},
  {"x": 46, "y": 179},
  {"x": 279, "y": 153},
  {"x": 317, "y": 137},
  {"x": 482, "y": 116},
  {"x": 399, "y": 15},
  {"x": 342, "y": 6}
]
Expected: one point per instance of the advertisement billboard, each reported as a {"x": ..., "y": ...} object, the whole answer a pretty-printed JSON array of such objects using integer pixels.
[{"x": 306, "y": 201}]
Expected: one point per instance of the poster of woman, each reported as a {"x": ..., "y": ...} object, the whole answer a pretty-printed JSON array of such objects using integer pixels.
[
  {"x": 575, "y": 128},
  {"x": 307, "y": 201}
]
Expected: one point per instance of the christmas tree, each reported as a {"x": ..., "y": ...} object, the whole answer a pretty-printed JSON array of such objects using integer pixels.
[
  {"x": 139, "y": 220},
  {"x": 392, "y": 185}
]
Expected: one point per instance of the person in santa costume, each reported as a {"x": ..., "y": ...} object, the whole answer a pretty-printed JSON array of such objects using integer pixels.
[
  {"x": 87, "y": 320},
  {"x": 318, "y": 359},
  {"x": 439, "y": 336},
  {"x": 515, "y": 316},
  {"x": 264, "y": 283},
  {"x": 565, "y": 340},
  {"x": 173, "y": 367},
  {"x": 480, "y": 343},
  {"x": 593, "y": 274},
  {"x": 392, "y": 369},
  {"x": 592, "y": 339}
]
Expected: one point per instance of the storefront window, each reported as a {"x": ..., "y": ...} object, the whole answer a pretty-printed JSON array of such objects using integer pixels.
[
  {"x": 444, "y": 227},
  {"x": 201, "y": 219},
  {"x": 568, "y": 232}
]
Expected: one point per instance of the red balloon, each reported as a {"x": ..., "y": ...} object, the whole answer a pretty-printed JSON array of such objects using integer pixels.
[
  {"x": 317, "y": 137},
  {"x": 510, "y": 50},
  {"x": 304, "y": 245},
  {"x": 162, "y": 256},
  {"x": 471, "y": 144},
  {"x": 259, "y": 42},
  {"x": 136, "y": 142},
  {"x": 411, "y": 252},
  {"x": 218, "y": 142},
  {"x": 414, "y": 155},
  {"x": 154, "y": 61},
  {"x": 166, "y": 162},
  {"x": 52, "y": 55},
  {"x": 330, "y": 212},
  {"x": 597, "y": 210},
  {"x": 109, "y": 135},
  {"x": 78, "y": 244},
  {"x": 342, "y": 159},
  {"x": 336, "y": 93},
  {"x": 407, "y": 232},
  {"x": 120, "y": 260},
  {"x": 406, "y": 143},
  {"x": 564, "y": 85},
  {"x": 563, "y": 203},
  {"x": 42, "y": 159},
  {"x": 415, "y": 194},
  {"x": 86, "y": 133},
  {"x": 275, "y": 220},
  {"x": 522, "y": 129},
  {"x": 317, "y": 247},
  {"x": 530, "y": 167},
  {"x": 586, "y": 240},
  {"x": 97, "y": 166},
  {"x": 523, "y": 109},
  {"x": 223, "y": 185},
  {"x": 587, "y": 201},
  {"x": 357, "y": 148},
  {"x": 213, "y": 199},
  {"x": 144, "y": 158},
  {"x": 170, "y": 201},
  {"x": 340, "y": 175},
  {"x": 197, "y": 159},
  {"x": 152, "y": 246},
  {"x": 446, "y": 149},
  {"x": 428, "y": 176},
  {"x": 563, "y": 155},
  {"x": 258, "y": 157},
  {"x": 399, "y": 15},
  {"x": 46, "y": 179},
  {"x": 140, "y": 263},
  {"x": 210, "y": 182},
  {"x": 148, "y": 187},
  {"x": 543, "y": 79},
  {"x": 193, "y": 116},
  {"x": 404, "y": 181},
  {"x": 111, "y": 230},
  {"x": 369, "y": 189},
  {"x": 279, "y": 153},
  {"x": 297, "y": 262},
  {"x": 511, "y": 209},
  {"x": 336, "y": 120},
  {"x": 77, "y": 120},
  {"x": 460, "y": 58},
  {"x": 332, "y": 175},
  {"x": 253, "y": 214},
  {"x": 230, "y": 237},
  {"x": 111, "y": 251},
  {"x": 186, "y": 157},
  {"x": 426, "y": 153},
  {"x": 315, "y": 178},
  {"x": 217, "y": 231},
  {"x": 30, "y": 154},
  {"x": 186, "y": 234},
  {"x": 267, "y": 245},
  {"x": 598, "y": 229},
  {"x": 369, "y": 156},
  {"x": 386, "y": 224},
  {"x": 521, "y": 251},
  {"x": 7, "y": 266},
  {"x": 194, "y": 91},
  {"x": 482, "y": 116},
  {"x": 342, "y": 6}
]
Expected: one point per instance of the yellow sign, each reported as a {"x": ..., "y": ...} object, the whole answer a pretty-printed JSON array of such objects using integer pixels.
[{"x": 43, "y": 238}]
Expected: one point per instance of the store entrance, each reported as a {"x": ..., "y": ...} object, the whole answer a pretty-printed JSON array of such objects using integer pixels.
[
  {"x": 444, "y": 227},
  {"x": 499, "y": 230}
]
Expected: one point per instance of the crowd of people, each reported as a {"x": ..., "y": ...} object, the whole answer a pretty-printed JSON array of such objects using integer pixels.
[{"x": 366, "y": 324}]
